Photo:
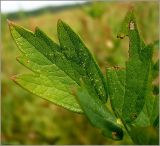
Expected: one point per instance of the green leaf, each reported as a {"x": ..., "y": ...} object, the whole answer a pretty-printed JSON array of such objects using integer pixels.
[
  {"x": 50, "y": 79},
  {"x": 116, "y": 87},
  {"x": 98, "y": 114},
  {"x": 137, "y": 70},
  {"x": 52, "y": 90},
  {"x": 150, "y": 110},
  {"x": 81, "y": 60},
  {"x": 62, "y": 66}
]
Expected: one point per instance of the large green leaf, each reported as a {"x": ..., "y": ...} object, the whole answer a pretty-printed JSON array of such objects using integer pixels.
[
  {"x": 137, "y": 70},
  {"x": 57, "y": 69},
  {"x": 98, "y": 114},
  {"x": 44, "y": 58}
]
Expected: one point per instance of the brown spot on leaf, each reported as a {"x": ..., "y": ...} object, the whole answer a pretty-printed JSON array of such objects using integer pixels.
[
  {"x": 13, "y": 77},
  {"x": 114, "y": 135}
]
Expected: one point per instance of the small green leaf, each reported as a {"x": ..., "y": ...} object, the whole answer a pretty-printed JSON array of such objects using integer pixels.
[
  {"x": 98, "y": 114},
  {"x": 50, "y": 89}
]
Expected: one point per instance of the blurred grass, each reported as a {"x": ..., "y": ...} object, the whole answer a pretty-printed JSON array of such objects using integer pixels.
[{"x": 27, "y": 119}]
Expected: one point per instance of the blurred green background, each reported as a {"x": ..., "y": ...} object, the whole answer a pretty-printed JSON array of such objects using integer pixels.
[{"x": 28, "y": 119}]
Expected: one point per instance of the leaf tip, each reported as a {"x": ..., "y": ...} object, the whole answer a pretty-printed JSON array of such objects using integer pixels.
[
  {"x": 13, "y": 78},
  {"x": 18, "y": 58},
  {"x": 61, "y": 23},
  {"x": 37, "y": 29},
  {"x": 10, "y": 23}
]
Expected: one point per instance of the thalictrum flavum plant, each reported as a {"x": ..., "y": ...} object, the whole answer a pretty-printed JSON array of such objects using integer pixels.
[{"x": 67, "y": 75}]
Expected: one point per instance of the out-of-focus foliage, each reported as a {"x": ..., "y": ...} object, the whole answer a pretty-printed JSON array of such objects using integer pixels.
[
  {"x": 96, "y": 10},
  {"x": 27, "y": 119}
]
